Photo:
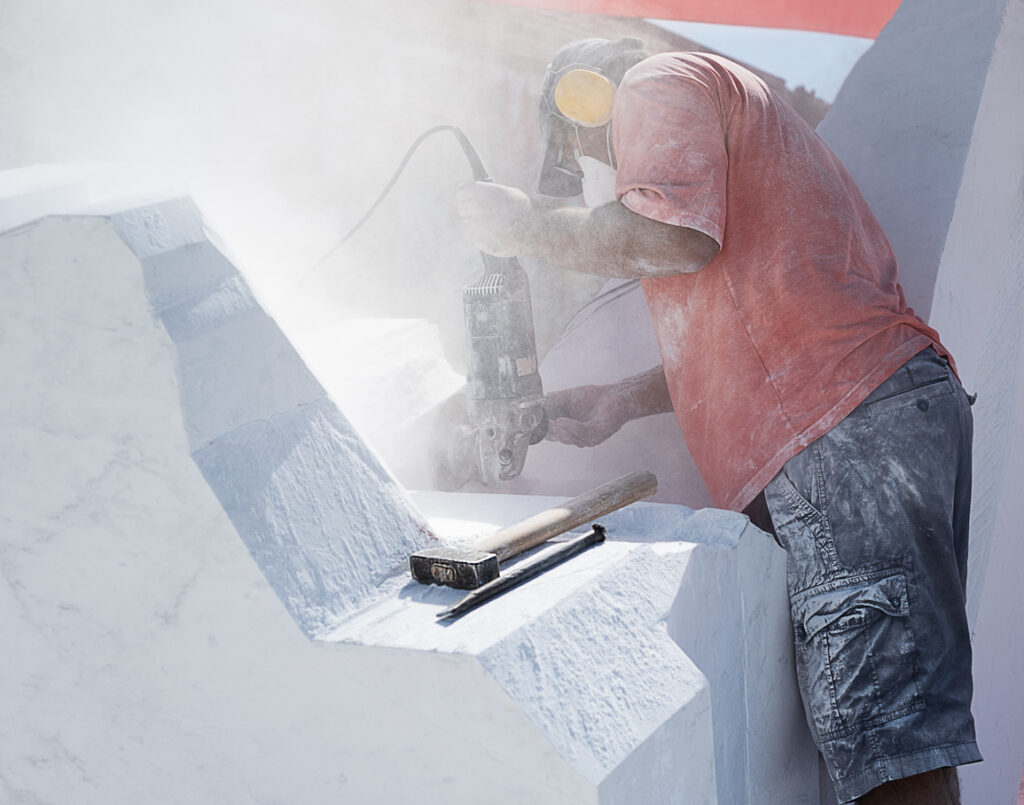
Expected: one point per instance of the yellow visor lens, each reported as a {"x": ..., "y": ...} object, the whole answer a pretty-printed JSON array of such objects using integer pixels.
[{"x": 585, "y": 97}]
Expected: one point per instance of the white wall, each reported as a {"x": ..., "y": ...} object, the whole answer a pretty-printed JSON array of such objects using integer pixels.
[
  {"x": 929, "y": 124},
  {"x": 979, "y": 309},
  {"x": 902, "y": 124}
]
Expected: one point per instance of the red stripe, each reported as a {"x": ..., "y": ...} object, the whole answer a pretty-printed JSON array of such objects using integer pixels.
[{"x": 850, "y": 17}]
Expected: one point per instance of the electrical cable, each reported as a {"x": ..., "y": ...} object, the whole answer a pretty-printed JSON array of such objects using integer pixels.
[{"x": 479, "y": 173}]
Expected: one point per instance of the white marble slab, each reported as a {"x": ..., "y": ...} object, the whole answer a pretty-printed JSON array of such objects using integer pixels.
[{"x": 156, "y": 661}]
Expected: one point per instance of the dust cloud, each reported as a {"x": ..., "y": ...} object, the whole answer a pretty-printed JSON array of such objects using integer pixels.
[{"x": 284, "y": 124}]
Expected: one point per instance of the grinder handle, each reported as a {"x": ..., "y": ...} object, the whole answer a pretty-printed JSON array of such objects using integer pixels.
[{"x": 581, "y": 509}]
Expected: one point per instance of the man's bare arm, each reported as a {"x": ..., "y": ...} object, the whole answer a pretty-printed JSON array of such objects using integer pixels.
[
  {"x": 585, "y": 416},
  {"x": 610, "y": 240}
]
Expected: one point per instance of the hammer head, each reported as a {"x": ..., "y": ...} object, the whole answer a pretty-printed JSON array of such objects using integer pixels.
[{"x": 463, "y": 569}]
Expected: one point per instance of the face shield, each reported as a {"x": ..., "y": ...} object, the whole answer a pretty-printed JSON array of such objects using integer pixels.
[{"x": 560, "y": 175}]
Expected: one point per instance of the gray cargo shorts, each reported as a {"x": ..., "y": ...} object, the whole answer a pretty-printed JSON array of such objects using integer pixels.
[{"x": 874, "y": 519}]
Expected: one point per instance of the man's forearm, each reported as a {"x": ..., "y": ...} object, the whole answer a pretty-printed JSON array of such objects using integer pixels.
[
  {"x": 585, "y": 416},
  {"x": 611, "y": 240},
  {"x": 648, "y": 392}
]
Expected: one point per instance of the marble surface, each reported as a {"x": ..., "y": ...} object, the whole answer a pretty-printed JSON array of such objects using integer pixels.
[
  {"x": 321, "y": 515},
  {"x": 389, "y": 376},
  {"x": 157, "y": 661}
]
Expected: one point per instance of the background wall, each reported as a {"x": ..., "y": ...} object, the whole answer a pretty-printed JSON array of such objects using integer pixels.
[{"x": 928, "y": 123}]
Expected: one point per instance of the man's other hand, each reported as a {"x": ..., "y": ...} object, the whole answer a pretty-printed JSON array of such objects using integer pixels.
[
  {"x": 587, "y": 415},
  {"x": 497, "y": 218}
]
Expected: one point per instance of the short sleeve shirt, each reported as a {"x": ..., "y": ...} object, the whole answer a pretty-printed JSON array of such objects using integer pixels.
[{"x": 800, "y": 316}]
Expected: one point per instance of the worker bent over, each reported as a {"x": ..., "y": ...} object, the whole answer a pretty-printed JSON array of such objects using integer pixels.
[{"x": 809, "y": 394}]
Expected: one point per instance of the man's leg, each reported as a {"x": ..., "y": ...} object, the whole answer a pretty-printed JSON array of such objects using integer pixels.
[
  {"x": 938, "y": 787},
  {"x": 873, "y": 517}
]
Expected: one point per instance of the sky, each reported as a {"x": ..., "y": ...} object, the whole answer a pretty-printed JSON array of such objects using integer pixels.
[{"x": 817, "y": 61}]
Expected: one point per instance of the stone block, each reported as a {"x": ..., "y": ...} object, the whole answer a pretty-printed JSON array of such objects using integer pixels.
[{"x": 154, "y": 581}]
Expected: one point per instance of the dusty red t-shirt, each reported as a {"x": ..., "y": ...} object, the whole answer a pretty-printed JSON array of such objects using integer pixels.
[{"x": 800, "y": 316}]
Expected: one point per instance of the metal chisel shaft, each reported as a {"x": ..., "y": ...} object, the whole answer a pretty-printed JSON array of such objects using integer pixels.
[{"x": 526, "y": 570}]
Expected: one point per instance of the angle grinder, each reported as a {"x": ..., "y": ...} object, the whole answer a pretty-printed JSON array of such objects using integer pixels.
[{"x": 482, "y": 433}]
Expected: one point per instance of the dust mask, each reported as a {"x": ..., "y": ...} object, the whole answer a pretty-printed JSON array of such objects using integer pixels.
[{"x": 598, "y": 181}]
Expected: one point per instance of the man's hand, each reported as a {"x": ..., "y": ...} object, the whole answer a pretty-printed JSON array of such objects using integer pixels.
[
  {"x": 497, "y": 218},
  {"x": 587, "y": 415}
]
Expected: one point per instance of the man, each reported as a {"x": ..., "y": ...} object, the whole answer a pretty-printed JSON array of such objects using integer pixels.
[{"x": 800, "y": 378}]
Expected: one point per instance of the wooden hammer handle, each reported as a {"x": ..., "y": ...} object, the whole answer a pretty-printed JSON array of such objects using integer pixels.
[{"x": 579, "y": 510}]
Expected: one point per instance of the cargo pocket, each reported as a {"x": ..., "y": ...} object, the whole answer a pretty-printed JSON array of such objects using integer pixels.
[{"x": 856, "y": 654}]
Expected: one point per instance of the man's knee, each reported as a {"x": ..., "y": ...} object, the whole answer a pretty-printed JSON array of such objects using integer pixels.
[{"x": 936, "y": 787}]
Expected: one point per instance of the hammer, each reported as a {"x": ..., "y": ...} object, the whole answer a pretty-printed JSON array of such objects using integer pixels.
[{"x": 468, "y": 568}]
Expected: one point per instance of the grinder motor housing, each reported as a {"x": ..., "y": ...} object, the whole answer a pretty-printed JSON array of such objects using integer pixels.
[{"x": 504, "y": 395}]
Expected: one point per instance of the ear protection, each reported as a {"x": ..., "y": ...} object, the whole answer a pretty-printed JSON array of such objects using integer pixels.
[{"x": 585, "y": 97}]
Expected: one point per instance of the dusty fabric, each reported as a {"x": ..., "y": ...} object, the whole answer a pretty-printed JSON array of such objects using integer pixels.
[
  {"x": 800, "y": 315},
  {"x": 874, "y": 517}
]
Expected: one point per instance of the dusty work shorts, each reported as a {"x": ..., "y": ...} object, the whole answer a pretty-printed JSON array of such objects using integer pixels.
[{"x": 874, "y": 519}]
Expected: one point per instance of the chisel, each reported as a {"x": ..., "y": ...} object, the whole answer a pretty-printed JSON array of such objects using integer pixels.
[{"x": 526, "y": 570}]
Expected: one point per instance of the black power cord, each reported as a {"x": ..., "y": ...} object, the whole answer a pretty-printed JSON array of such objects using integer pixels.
[{"x": 479, "y": 174}]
